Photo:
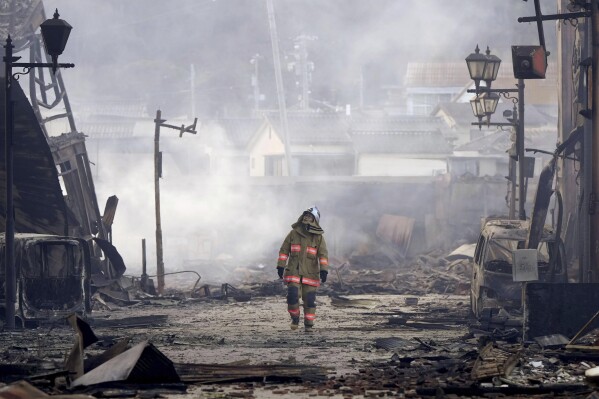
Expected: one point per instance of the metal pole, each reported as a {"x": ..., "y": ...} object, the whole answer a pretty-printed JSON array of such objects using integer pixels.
[
  {"x": 274, "y": 39},
  {"x": 594, "y": 161},
  {"x": 144, "y": 274},
  {"x": 512, "y": 166},
  {"x": 520, "y": 144},
  {"x": 157, "y": 162},
  {"x": 10, "y": 273}
]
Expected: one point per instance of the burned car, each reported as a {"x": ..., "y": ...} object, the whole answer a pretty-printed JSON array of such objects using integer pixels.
[
  {"x": 52, "y": 276},
  {"x": 492, "y": 284}
]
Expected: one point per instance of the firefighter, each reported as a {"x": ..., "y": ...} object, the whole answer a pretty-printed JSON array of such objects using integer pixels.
[{"x": 303, "y": 264}]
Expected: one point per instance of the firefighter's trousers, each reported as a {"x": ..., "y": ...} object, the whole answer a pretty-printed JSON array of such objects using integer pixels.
[{"x": 307, "y": 293}]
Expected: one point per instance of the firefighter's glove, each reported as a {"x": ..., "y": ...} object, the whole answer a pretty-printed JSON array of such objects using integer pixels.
[
  {"x": 280, "y": 271},
  {"x": 323, "y": 275}
]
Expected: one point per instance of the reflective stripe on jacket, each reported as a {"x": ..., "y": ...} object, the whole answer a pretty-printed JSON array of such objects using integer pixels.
[{"x": 303, "y": 254}]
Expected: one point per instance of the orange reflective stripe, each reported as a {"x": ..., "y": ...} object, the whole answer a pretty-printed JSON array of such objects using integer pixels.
[
  {"x": 291, "y": 279},
  {"x": 296, "y": 248},
  {"x": 294, "y": 312},
  {"x": 309, "y": 316},
  {"x": 324, "y": 261},
  {"x": 311, "y": 250},
  {"x": 309, "y": 281},
  {"x": 283, "y": 256}
]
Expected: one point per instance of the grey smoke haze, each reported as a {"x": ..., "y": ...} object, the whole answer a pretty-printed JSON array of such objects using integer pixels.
[{"x": 143, "y": 49}]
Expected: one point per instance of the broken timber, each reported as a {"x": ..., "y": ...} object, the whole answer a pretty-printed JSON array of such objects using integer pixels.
[{"x": 493, "y": 362}]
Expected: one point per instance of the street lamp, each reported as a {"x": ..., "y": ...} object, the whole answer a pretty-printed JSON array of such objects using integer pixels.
[
  {"x": 476, "y": 63},
  {"x": 492, "y": 68},
  {"x": 477, "y": 109},
  {"x": 488, "y": 101},
  {"x": 55, "y": 33},
  {"x": 486, "y": 67},
  {"x": 483, "y": 67}
]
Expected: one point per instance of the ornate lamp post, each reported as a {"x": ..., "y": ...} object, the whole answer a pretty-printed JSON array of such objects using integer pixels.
[
  {"x": 55, "y": 33},
  {"x": 486, "y": 67}
]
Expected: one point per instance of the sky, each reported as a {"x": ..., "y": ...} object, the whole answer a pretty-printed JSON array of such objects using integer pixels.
[{"x": 143, "y": 50}]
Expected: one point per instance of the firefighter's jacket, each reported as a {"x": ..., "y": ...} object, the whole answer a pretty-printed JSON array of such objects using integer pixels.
[{"x": 303, "y": 255}]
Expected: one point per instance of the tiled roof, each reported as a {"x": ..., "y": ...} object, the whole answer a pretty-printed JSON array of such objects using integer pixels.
[
  {"x": 112, "y": 127},
  {"x": 436, "y": 74},
  {"x": 455, "y": 74},
  {"x": 404, "y": 142},
  {"x": 315, "y": 128},
  {"x": 499, "y": 142},
  {"x": 407, "y": 134},
  {"x": 395, "y": 124},
  {"x": 133, "y": 108}
]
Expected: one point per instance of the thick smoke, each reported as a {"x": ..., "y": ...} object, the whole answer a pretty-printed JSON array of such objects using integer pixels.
[{"x": 143, "y": 49}]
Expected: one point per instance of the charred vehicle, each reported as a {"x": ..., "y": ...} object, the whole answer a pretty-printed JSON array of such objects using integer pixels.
[
  {"x": 492, "y": 285},
  {"x": 53, "y": 276}
]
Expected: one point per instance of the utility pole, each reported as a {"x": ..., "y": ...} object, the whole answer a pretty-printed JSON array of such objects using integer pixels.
[
  {"x": 159, "y": 122},
  {"x": 255, "y": 61},
  {"x": 303, "y": 68},
  {"x": 594, "y": 256},
  {"x": 274, "y": 40}
]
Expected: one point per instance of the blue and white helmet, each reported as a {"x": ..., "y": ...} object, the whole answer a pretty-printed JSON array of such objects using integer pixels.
[{"x": 314, "y": 212}]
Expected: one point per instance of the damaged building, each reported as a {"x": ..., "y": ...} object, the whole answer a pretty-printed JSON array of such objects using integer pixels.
[{"x": 436, "y": 287}]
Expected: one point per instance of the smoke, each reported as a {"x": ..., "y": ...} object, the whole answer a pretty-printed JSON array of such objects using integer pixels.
[{"x": 143, "y": 49}]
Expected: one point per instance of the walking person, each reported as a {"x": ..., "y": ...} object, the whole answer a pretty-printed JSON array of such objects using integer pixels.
[{"x": 303, "y": 264}]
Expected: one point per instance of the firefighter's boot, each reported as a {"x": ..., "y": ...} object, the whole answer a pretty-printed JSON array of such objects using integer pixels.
[{"x": 294, "y": 323}]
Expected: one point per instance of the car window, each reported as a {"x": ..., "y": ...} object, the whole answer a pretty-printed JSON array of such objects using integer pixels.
[
  {"x": 502, "y": 249},
  {"x": 479, "y": 249}
]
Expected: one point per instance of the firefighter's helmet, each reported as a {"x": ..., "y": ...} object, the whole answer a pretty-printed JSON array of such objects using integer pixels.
[{"x": 314, "y": 212}]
